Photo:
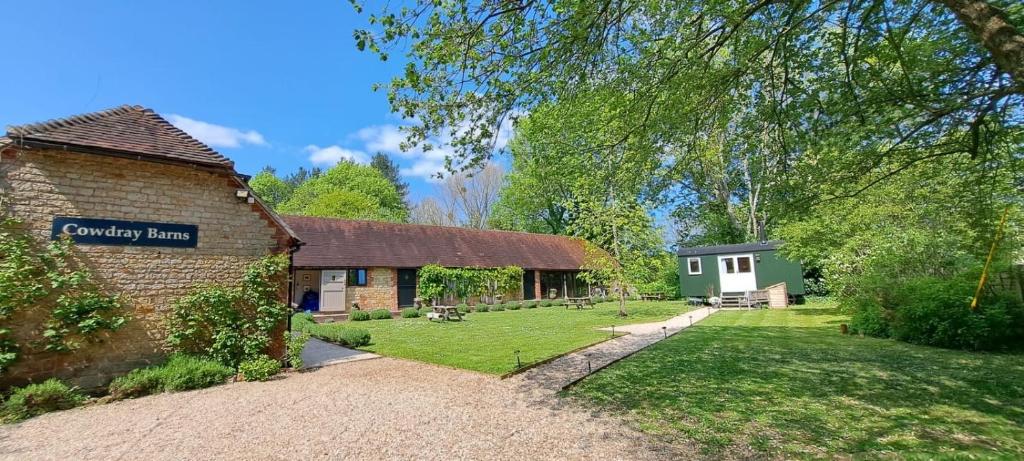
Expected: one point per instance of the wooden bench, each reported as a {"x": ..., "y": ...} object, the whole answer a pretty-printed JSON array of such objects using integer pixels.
[
  {"x": 444, "y": 313},
  {"x": 652, "y": 296},
  {"x": 580, "y": 302}
]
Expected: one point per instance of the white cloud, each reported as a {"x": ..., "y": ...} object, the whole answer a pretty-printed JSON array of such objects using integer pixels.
[
  {"x": 425, "y": 165},
  {"x": 383, "y": 138},
  {"x": 216, "y": 135},
  {"x": 425, "y": 169},
  {"x": 331, "y": 155}
]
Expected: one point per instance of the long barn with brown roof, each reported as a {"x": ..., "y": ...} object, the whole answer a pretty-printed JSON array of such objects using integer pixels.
[{"x": 374, "y": 264}]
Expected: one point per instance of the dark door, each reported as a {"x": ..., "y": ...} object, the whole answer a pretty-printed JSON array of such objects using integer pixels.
[
  {"x": 528, "y": 285},
  {"x": 406, "y": 287}
]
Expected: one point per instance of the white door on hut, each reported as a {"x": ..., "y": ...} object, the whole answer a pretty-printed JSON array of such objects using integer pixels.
[
  {"x": 332, "y": 290},
  {"x": 736, "y": 273}
]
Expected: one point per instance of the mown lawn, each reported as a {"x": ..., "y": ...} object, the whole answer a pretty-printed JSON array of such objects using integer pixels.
[
  {"x": 487, "y": 341},
  {"x": 786, "y": 384}
]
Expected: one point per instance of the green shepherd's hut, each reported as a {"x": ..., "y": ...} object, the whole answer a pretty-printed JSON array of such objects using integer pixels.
[{"x": 742, "y": 268}]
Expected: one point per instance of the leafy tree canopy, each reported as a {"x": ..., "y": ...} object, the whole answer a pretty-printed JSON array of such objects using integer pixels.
[
  {"x": 347, "y": 190},
  {"x": 825, "y": 93},
  {"x": 271, "y": 189}
]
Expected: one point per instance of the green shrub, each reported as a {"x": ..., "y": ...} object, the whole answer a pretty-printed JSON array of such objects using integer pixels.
[
  {"x": 545, "y": 303},
  {"x": 36, "y": 399},
  {"x": 482, "y": 308},
  {"x": 463, "y": 308},
  {"x": 339, "y": 334},
  {"x": 359, "y": 316},
  {"x": 183, "y": 372},
  {"x": 259, "y": 369},
  {"x": 530, "y": 304},
  {"x": 934, "y": 311},
  {"x": 558, "y": 302},
  {"x": 598, "y": 299},
  {"x": 300, "y": 320},
  {"x": 871, "y": 320},
  {"x": 294, "y": 344},
  {"x": 410, "y": 313},
  {"x": 231, "y": 324},
  {"x": 180, "y": 373},
  {"x": 137, "y": 383},
  {"x": 497, "y": 307},
  {"x": 380, "y": 314}
]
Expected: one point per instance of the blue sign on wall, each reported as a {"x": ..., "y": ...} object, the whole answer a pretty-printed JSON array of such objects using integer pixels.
[{"x": 90, "y": 231}]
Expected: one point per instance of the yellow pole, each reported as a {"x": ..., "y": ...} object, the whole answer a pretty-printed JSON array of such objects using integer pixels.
[{"x": 988, "y": 261}]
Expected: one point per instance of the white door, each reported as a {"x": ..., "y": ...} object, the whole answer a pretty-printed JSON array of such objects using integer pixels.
[
  {"x": 332, "y": 291},
  {"x": 736, "y": 273}
]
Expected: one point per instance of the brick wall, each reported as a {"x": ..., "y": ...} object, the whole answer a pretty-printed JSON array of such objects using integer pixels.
[
  {"x": 380, "y": 292},
  {"x": 43, "y": 184}
]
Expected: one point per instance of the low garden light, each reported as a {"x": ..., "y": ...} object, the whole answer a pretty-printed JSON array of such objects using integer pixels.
[
  {"x": 519, "y": 364},
  {"x": 613, "y": 331},
  {"x": 691, "y": 320},
  {"x": 664, "y": 332}
]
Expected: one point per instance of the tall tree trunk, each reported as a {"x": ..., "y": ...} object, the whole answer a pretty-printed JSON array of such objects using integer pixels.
[
  {"x": 618, "y": 258},
  {"x": 993, "y": 29}
]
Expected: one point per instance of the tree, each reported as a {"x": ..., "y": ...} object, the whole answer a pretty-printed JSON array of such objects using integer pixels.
[
  {"x": 302, "y": 175},
  {"x": 473, "y": 195},
  {"x": 389, "y": 169},
  {"x": 429, "y": 211},
  {"x": 348, "y": 190},
  {"x": 269, "y": 188},
  {"x": 464, "y": 199},
  {"x": 536, "y": 189},
  {"x": 845, "y": 90}
]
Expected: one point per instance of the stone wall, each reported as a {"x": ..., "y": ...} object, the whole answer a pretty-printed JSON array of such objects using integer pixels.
[
  {"x": 42, "y": 184},
  {"x": 380, "y": 292}
]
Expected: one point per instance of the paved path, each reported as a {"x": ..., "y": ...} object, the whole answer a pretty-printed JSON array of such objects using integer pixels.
[
  {"x": 321, "y": 353},
  {"x": 569, "y": 369},
  {"x": 370, "y": 409}
]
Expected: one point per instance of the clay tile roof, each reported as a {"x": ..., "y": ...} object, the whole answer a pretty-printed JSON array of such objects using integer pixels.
[
  {"x": 131, "y": 130},
  {"x": 337, "y": 243}
]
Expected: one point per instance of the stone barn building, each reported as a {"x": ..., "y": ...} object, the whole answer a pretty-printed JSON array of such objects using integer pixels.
[
  {"x": 374, "y": 264},
  {"x": 179, "y": 214}
]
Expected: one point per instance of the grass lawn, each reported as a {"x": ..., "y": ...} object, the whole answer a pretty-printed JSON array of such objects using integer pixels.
[
  {"x": 487, "y": 341},
  {"x": 786, "y": 384}
]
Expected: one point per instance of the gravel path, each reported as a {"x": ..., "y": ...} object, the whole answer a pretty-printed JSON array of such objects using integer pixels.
[
  {"x": 570, "y": 368},
  {"x": 372, "y": 409}
]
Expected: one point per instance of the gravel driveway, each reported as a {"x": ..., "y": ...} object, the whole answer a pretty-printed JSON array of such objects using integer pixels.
[{"x": 374, "y": 409}]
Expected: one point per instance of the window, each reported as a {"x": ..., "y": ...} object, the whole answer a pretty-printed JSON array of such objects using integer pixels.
[
  {"x": 743, "y": 264},
  {"x": 694, "y": 266},
  {"x": 729, "y": 266},
  {"x": 356, "y": 278}
]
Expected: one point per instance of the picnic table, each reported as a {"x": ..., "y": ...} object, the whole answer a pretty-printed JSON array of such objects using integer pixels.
[
  {"x": 657, "y": 296},
  {"x": 579, "y": 302},
  {"x": 446, "y": 313}
]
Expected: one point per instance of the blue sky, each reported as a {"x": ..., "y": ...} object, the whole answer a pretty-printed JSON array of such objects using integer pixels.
[{"x": 265, "y": 83}]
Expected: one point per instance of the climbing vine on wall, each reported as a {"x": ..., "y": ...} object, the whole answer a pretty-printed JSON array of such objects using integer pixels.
[
  {"x": 436, "y": 282},
  {"x": 232, "y": 324},
  {"x": 34, "y": 276}
]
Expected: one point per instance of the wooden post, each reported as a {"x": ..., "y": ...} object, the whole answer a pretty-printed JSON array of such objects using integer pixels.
[{"x": 988, "y": 261}]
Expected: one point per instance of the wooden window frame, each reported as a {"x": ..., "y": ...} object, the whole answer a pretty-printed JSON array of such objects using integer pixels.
[
  {"x": 689, "y": 266},
  {"x": 352, "y": 277}
]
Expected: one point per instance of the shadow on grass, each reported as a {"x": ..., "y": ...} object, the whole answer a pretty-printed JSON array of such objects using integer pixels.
[{"x": 809, "y": 391}]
